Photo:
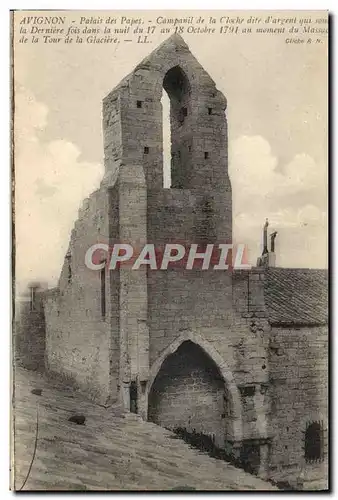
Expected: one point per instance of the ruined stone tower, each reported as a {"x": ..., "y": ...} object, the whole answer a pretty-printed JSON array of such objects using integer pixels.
[
  {"x": 200, "y": 350},
  {"x": 200, "y": 195}
]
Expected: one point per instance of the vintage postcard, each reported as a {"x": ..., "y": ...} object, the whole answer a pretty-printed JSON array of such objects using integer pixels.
[{"x": 170, "y": 286}]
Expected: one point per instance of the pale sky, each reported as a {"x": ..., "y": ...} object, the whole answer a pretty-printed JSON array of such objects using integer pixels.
[{"x": 277, "y": 118}]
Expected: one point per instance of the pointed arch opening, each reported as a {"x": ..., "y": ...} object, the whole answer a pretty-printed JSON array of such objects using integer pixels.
[
  {"x": 188, "y": 391},
  {"x": 176, "y": 110}
]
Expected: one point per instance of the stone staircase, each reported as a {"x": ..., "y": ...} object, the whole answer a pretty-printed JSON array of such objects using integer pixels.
[{"x": 112, "y": 450}]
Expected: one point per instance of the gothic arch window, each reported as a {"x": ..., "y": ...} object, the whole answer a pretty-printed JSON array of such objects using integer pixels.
[
  {"x": 314, "y": 449},
  {"x": 175, "y": 117}
]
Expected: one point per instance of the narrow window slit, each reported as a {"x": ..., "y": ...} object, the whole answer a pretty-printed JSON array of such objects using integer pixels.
[
  {"x": 69, "y": 278},
  {"x": 133, "y": 397},
  {"x": 103, "y": 291},
  {"x": 69, "y": 267},
  {"x": 33, "y": 298}
]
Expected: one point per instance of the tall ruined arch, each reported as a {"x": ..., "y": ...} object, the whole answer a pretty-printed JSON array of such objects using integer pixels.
[{"x": 176, "y": 157}]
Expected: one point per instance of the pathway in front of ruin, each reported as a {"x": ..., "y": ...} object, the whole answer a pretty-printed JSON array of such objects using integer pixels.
[{"x": 112, "y": 451}]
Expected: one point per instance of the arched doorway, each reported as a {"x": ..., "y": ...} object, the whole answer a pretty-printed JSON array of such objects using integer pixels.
[{"x": 190, "y": 393}]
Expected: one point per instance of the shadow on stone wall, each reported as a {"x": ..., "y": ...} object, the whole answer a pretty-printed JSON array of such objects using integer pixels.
[{"x": 206, "y": 444}]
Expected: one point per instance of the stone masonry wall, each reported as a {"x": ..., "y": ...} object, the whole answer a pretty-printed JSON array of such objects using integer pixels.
[
  {"x": 194, "y": 300},
  {"x": 252, "y": 368},
  {"x": 298, "y": 391}
]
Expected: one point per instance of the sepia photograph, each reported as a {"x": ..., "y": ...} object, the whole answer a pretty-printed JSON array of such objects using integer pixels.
[{"x": 170, "y": 250}]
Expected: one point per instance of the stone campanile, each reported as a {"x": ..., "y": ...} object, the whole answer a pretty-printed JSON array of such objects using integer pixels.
[
  {"x": 197, "y": 206},
  {"x": 132, "y": 123}
]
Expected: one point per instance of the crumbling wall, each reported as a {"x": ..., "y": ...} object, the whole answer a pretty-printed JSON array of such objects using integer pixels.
[{"x": 81, "y": 340}]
